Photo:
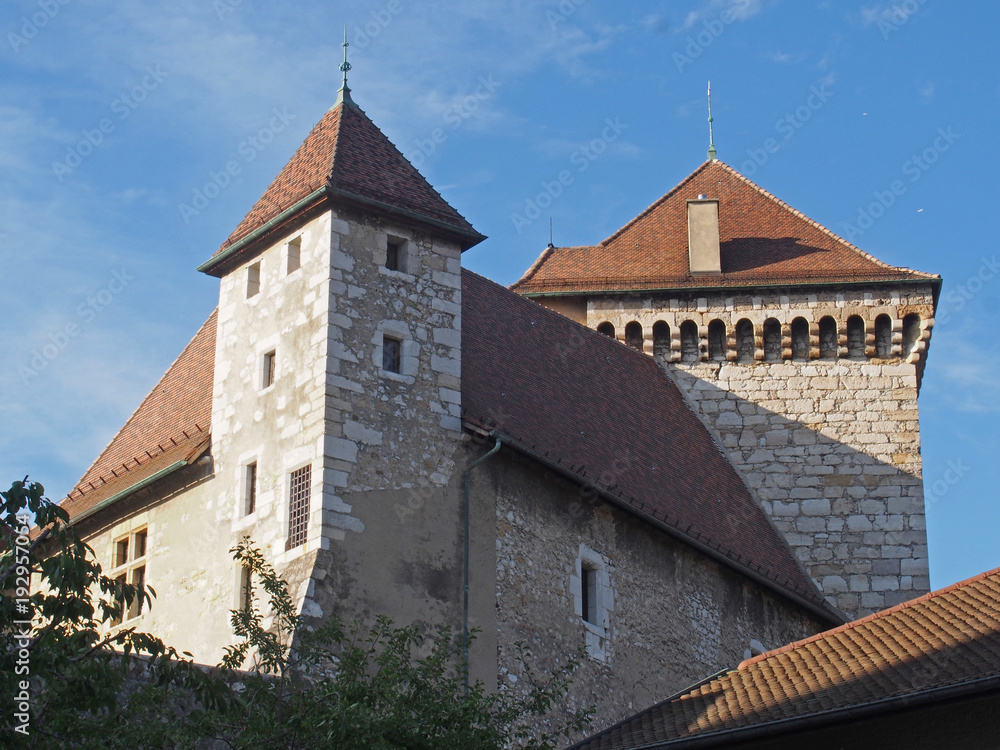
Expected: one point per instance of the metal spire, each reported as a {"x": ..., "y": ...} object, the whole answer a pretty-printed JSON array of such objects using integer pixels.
[
  {"x": 712, "y": 155},
  {"x": 344, "y": 95}
]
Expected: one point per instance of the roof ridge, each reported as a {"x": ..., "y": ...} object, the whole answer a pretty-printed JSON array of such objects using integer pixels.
[
  {"x": 533, "y": 268},
  {"x": 911, "y": 603},
  {"x": 142, "y": 403},
  {"x": 815, "y": 224}
]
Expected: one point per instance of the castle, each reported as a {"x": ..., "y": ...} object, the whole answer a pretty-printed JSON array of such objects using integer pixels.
[{"x": 728, "y": 463}]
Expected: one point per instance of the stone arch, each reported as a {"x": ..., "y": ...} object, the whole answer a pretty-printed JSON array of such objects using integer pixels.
[
  {"x": 717, "y": 340},
  {"x": 855, "y": 337},
  {"x": 828, "y": 337},
  {"x": 661, "y": 340},
  {"x": 607, "y": 329},
  {"x": 689, "y": 341},
  {"x": 745, "y": 346},
  {"x": 883, "y": 336},
  {"x": 772, "y": 340},
  {"x": 800, "y": 338},
  {"x": 911, "y": 333},
  {"x": 633, "y": 335}
]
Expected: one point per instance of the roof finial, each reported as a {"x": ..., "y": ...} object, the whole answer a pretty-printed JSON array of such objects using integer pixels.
[
  {"x": 344, "y": 95},
  {"x": 712, "y": 155}
]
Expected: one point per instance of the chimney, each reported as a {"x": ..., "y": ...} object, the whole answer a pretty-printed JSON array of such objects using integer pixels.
[{"x": 703, "y": 236}]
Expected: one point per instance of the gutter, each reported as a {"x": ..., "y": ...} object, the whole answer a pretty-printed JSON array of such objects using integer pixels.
[
  {"x": 465, "y": 557},
  {"x": 130, "y": 490},
  {"x": 700, "y": 546},
  {"x": 772, "y": 729}
]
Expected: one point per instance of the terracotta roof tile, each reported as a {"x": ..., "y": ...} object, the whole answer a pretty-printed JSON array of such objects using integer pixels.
[
  {"x": 346, "y": 151},
  {"x": 763, "y": 241},
  {"x": 943, "y": 640},
  {"x": 610, "y": 415},
  {"x": 174, "y": 419}
]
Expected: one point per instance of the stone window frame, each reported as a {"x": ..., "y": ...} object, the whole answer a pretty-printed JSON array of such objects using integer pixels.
[
  {"x": 268, "y": 369},
  {"x": 596, "y": 635},
  {"x": 128, "y": 568},
  {"x": 409, "y": 351},
  {"x": 254, "y": 274},
  {"x": 406, "y": 263},
  {"x": 293, "y": 255},
  {"x": 249, "y": 493}
]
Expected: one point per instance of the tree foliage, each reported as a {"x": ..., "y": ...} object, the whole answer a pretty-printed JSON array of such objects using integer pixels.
[{"x": 282, "y": 684}]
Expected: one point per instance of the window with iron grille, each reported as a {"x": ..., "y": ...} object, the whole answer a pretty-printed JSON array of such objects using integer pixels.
[{"x": 298, "y": 507}]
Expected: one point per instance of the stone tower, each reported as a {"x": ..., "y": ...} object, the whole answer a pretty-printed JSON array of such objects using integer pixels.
[{"x": 801, "y": 352}]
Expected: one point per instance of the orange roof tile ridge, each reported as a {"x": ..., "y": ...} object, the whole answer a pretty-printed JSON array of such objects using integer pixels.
[
  {"x": 533, "y": 268},
  {"x": 331, "y": 179},
  {"x": 148, "y": 396},
  {"x": 833, "y": 235},
  {"x": 871, "y": 618}
]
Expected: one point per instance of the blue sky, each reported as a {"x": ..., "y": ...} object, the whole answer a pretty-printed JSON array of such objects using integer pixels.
[{"x": 115, "y": 116}]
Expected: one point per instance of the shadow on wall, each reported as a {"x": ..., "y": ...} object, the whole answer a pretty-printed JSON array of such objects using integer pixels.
[
  {"x": 855, "y": 520},
  {"x": 758, "y": 253}
]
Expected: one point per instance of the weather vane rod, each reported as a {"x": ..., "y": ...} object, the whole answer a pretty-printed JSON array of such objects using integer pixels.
[
  {"x": 712, "y": 154},
  {"x": 344, "y": 95}
]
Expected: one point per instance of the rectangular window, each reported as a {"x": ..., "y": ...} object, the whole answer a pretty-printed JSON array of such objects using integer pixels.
[
  {"x": 253, "y": 280},
  {"x": 588, "y": 594},
  {"x": 391, "y": 354},
  {"x": 395, "y": 254},
  {"x": 139, "y": 545},
  {"x": 267, "y": 374},
  {"x": 116, "y": 620},
  {"x": 293, "y": 258},
  {"x": 250, "y": 489},
  {"x": 298, "y": 507},
  {"x": 121, "y": 552},
  {"x": 138, "y": 580}
]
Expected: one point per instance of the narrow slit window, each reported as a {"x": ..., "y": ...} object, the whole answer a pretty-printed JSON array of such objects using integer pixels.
[
  {"x": 395, "y": 254},
  {"x": 588, "y": 595},
  {"x": 120, "y": 614},
  {"x": 268, "y": 369},
  {"x": 391, "y": 354},
  {"x": 253, "y": 280},
  {"x": 298, "y": 507},
  {"x": 293, "y": 259},
  {"x": 250, "y": 493},
  {"x": 139, "y": 581},
  {"x": 246, "y": 588}
]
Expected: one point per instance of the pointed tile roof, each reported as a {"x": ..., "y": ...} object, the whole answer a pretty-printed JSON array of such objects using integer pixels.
[
  {"x": 764, "y": 242},
  {"x": 347, "y": 156},
  {"x": 608, "y": 415},
  {"x": 945, "y": 643}
]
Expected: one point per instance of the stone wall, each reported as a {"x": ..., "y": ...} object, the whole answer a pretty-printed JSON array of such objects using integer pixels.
[
  {"x": 830, "y": 443},
  {"x": 669, "y": 615}
]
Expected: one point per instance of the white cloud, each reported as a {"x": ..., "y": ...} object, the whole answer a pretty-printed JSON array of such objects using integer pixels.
[{"x": 739, "y": 10}]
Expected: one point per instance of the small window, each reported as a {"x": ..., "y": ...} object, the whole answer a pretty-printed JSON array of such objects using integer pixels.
[
  {"x": 293, "y": 260},
  {"x": 121, "y": 552},
  {"x": 395, "y": 254},
  {"x": 120, "y": 614},
  {"x": 911, "y": 333},
  {"x": 391, "y": 354},
  {"x": 139, "y": 581},
  {"x": 250, "y": 489},
  {"x": 633, "y": 335},
  {"x": 268, "y": 370},
  {"x": 588, "y": 594},
  {"x": 298, "y": 507},
  {"x": 139, "y": 545},
  {"x": 253, "y": 280},
  {"x": 607, "y": 329}
]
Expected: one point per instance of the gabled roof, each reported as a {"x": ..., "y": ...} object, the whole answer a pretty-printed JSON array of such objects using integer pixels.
[
  {"x": 946, "y": 643},
  {"x": 172, "y": 424},
  {"x": 347, "y": 156},
  {"x": 764, "y": 242},
  {"x": 609, "y": 416}
]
